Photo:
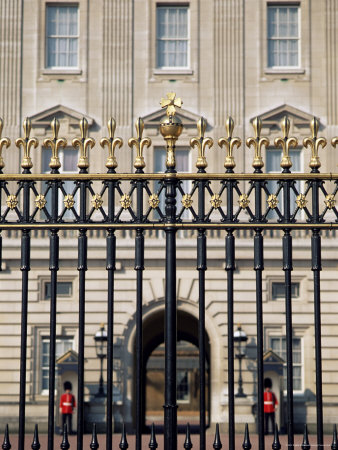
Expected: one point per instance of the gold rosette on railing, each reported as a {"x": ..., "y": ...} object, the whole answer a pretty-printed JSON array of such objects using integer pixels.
[
  {"x": 314, "y": 142},
  {"x": 171, "y": 127},
  {"x": 139, "y": 143},
  {"x": 111, "y": 144},
  {"x": 229, "y": 143},
  {"x": 4, "y": 142},
  {"x": 27, "y": 143},
  {"x": 286, "y": 143},
  {"x": 201, "y": 143},
  {"x": 55, "y": 143},
  {"x": 257, "y": 142},
  {"x": 83, "y": 143}
]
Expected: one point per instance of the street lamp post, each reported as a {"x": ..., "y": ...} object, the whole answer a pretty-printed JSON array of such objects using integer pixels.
[
  {"x": 100, "y": 339},
  {"x": 240, "y": 338}
]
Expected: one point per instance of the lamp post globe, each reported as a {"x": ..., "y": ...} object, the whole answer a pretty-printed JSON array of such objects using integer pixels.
[
  {"x": 240, "y": 338},
  {"x": 100, "y": 339}
]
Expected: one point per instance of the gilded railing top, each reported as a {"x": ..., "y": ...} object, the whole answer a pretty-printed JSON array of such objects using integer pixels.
[
  {"x": 171, "y": 128},
  {"x": 287, "y": 199}
]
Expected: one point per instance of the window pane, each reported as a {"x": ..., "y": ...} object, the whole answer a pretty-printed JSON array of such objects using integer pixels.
[
  {"x": 62, "y": 25},
  {"x": 70, "y": 160},
  {"x": 172, "y": 36}
]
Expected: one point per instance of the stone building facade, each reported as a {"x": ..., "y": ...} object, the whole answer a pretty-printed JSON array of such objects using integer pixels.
[{"x": 97, "y": 59}]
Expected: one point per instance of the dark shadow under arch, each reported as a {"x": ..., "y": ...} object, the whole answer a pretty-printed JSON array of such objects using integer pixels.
[{"x": 153, "y": 337}]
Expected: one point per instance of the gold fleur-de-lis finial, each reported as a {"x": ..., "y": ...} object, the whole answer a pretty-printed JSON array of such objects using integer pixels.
[
  {"x": 83, "y": 144},
  {"x": 4, "y": 142},
  {"x": 229, "y": 142},
  {"x": 170, "y": 102},
  {"x": 139, "y": 143},
  {"x": 201, "y": 142},
  {"x": 111, "y": 143},
  {"x": 257, "y": 143},
  {"x": 286, "y": 143},
  {"x": 314, "y": 142},
  {"x": 27, "y": 143},
  {"x": 55, "y": 143}
]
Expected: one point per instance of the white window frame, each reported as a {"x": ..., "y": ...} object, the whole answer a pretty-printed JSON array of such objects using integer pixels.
[
  {"x": 68, "y": 37},
  {"x": 167, "y": 67},
  {"x": 301, "y": 364},
  {"x": 69, "y": 339},
  {"x": 286, "y": 38}
]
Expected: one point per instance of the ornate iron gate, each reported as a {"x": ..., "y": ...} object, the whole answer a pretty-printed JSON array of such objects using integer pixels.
[{"x": 219, "y": 201}]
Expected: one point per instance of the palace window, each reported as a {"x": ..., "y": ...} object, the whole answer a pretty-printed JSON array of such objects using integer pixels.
[
  {"x": 64, "y": 289},
  {"x": 62, "y": 36},
  {"x": 68, "y": 159},
  {"x": 172, "y": 36},
  {"x": 278, "y": 345},
  {"x": 283, "y": 36},
  {"x": 278, "y": 290},
  {"x": 63, "y": 344}
]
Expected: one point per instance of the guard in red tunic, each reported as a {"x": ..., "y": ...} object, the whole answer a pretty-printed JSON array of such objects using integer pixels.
[
  {"x": 67, "y": 405},
  {"x": 270, "y": 405}
]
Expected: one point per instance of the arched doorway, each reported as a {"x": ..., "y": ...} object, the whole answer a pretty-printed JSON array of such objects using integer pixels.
[{"x": 188, "y": 390}]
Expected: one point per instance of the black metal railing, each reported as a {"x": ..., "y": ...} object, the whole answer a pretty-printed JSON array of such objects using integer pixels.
[{"x": 226, "y": 203}]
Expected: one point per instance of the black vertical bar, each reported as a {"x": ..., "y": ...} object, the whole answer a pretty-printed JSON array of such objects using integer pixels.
[
  {"x": 139, "y": 267},
  {"x": 53, "y": 267},
  {"x": 230, "y": 268},
  {"x": 170, "y": 329},
  {"x": 316, "y": 268},
  {"x": 82, "y": 267},
  {"x": 25, "y": 268},
  {"x": 111, "y": 267},
  {"x": 202, "y": 267},
  {"x": 287, "y": 267},
  {"x": 259, "y": 267}
]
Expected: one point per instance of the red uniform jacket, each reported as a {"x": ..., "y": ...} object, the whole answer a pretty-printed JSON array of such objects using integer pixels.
[
  {"x": 270, "y": 401},
  {"x": 67, "y": 403}
]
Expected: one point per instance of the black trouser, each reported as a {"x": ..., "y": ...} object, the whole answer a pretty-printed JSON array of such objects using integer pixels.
[
  {"x": 67, "y": 418},
  {"x": 270, "y": 416}
]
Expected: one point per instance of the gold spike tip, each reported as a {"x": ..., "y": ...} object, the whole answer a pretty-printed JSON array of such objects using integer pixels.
[
  {"x": 83, "y": 127},
  {"x": 111, "y": 127},
  {"x": 257, "y": 126},
  {"x": 201, "y": 127},
  {"x": 27, "y": 126},
  {"x": 139, "y": 125},
  {"x": 229, "y": 126},
  {"x": 285, "y": 125},
  {"x": 314, "y": 125},
  {"x": 55, "y": 125}
]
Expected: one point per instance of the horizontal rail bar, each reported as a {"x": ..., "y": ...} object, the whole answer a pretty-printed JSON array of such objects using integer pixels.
[
  {"x": 162, "y": 176},
  {"x": 163, "y": 226}
]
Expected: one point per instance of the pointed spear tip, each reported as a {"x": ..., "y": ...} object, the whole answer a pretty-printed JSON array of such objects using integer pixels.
[{"x": 246, "y": 443}]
